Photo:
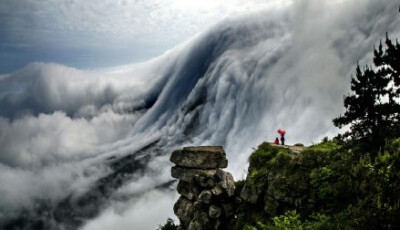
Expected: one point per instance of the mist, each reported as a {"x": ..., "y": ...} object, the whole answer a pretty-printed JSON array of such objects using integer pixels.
[{"x": 64, "y": 131}]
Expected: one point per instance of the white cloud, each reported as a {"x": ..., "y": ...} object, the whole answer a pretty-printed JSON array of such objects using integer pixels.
[
  {"x": 233, "y": 86},
  {"x": 137, "y": 204},
  {"x": 116, "y": 22},
  {"x": 24, "y": 189},
  {"x": 145, "y": 213},
  {"x": 33, "y": 142}
]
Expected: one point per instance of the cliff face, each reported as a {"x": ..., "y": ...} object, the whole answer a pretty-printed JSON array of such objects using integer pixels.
[
  {"x": 207, "y": 192},
  {"x": 209, "y": 198},
  {"x": 325, "y": 186}
]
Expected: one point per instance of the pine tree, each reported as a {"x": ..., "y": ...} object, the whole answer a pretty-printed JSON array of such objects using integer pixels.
[{"x": 373, "y": 109}]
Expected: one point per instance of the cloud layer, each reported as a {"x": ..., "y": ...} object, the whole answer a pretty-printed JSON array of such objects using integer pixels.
[
  {"x": 107, "y": 33},
  {"x": 234, "y": 85}
]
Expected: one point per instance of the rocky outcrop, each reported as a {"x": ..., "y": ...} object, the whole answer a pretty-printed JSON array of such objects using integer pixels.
[
  {"x": 207, "y": 192},
  {"x": 203, "y": 157}
]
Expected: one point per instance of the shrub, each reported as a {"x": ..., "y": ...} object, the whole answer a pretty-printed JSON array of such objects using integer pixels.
[{"x": 170, "y": 225}]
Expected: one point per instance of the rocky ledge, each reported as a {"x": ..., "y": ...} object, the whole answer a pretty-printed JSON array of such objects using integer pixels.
[
  {"x": 207, "y": 192},
  {"x": 203, "y": 157}
]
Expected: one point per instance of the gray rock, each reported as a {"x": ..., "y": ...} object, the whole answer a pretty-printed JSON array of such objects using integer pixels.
[
  {"x": 271, "y": 206},
  {"x": 217, "y": 190},
  {"x": 238, "y": 200},
  {"x": 190, "y": 175},
  {"x": 205, "y": 181},
  {"x": 200, "y": 221},
  {"x": 249, "y": 194},
  {"x": 205, "y": 196},
  {"x": 228, "y": 209},
  {"x": 253, "y": 197},
  {"x": 184, "y": 209},
  {"x": 200, "y": 181},
  {"x": 217, "y": 225},
  {"x": 198, "y": 205},
  {"x": 201, "y": 157},
  {"x": 214, "y": 212},
  {"x": 201, "y": 216},
  {"x": 226, "y": 182},
  {"x": 245, "y": 193},
  {"x": 187, "y": 190},
  {"x": 195, "y": 225}
]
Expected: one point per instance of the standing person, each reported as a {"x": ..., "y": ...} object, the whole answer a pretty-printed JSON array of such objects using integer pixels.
[
  {"x": 282, "y": 133},
  {"x": 276, "y": 141}
]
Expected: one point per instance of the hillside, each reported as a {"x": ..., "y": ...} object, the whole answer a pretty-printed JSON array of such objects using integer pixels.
[
  {"x": 297, "y": 148},
  {"x": 324, "y": 186},
  {"x": 327, "y": 186}
]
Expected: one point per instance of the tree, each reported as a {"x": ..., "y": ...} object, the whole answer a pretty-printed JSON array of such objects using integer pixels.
[
  {"x": 170, "y": 225},
  {"x": 373, "y": 109}
]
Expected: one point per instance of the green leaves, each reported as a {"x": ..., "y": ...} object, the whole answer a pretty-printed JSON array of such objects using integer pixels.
[
  {"x": 372, "y": 109},
  {"x": 326, "y": 186}
]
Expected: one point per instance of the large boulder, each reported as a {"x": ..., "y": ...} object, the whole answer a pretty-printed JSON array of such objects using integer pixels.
[
  {"x": 188, "y": 190},
  {"x": 214, "y": 212},
  {"x": 205, "y": 196},
  {"x": 207, "y": 192},
  {"x": 201, "y": 157},
  {"x": 184, "y": 209},
  {"x": 192, "y": 175},
  {"x": 226, "y": 182}
]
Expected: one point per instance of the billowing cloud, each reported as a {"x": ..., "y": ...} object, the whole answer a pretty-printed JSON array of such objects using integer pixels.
[
  {"x": 108, "y": 133},
  {"x": 121, "y": 20},
  {"x": 44, "y": 88},
  {"x": 137, "y": 204},
  {"x": 155, "y": 205},
  {"x": 33, "y": 142},
  {"x": 107, "y": 33}
]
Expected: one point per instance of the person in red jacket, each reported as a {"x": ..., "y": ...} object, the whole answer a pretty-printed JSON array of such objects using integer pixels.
[
  {"x": 276, "y": 141},
  {"x": 282, "y": 133}
]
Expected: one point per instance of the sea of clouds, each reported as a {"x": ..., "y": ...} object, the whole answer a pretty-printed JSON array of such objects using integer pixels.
[{"x": 233, "y": 85}]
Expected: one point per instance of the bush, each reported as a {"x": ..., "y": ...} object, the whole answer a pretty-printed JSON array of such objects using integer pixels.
[
  {"x": 170, "y": 225},
  {"x": 291, "y": 220},
  {"x": 327, "y": 184}
]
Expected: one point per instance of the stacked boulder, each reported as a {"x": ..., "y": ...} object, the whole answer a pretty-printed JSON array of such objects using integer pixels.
[{"x": 207, "y": 191}]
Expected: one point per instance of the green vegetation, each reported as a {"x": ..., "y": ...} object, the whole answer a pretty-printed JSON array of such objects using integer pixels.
[
  {"x": 373, "y": 108},
  {"x": 327, "y": 186},
  {"x": 170, "y": 225}
]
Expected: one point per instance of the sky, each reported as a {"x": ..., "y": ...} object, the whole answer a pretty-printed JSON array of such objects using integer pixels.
[{"x": 88, "y": 35}]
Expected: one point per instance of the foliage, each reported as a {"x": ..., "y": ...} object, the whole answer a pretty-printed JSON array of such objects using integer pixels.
[
  {"x": 264, "y": 161},
  {"x": 373, "y": 109},
  {"x": 170, "y": 225},
  {"x": 249, "y": 227},
  {"x": 291, "y": 221},
  {"x": 326, "y": 186}
]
